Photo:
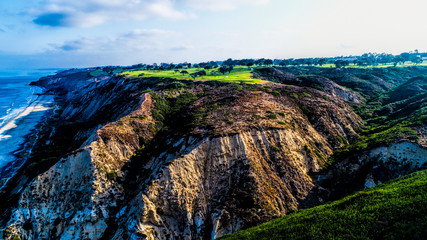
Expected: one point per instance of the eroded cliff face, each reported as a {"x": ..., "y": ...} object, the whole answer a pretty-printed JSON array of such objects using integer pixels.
[
  {"x": 72, "y": 200},
  {"x": 367, "y": 169},
  {"x": 203, "y": 186},
  {"x": 230, "y": 158},
  {"x": 218, "y": 185}
]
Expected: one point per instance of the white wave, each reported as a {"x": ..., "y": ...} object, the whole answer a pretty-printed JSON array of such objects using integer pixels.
[
  {"x": 12, "y": 112},
  {"x": 36, "y": 106}
]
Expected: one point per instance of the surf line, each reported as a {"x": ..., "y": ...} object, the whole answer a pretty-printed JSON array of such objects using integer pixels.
[{"x": 36, "y": 106}]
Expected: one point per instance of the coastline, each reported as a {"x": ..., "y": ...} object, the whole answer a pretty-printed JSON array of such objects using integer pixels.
[{"x": 20, "y": 134}]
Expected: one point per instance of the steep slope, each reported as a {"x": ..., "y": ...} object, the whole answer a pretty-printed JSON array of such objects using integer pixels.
[
  {"x": 72, "y": 199},
  {"x": 156, "y": 158},
  {"x": 232, "y": 174},
  {"x": 395, "y": 210},
  {"x": 228, "y": 156}
]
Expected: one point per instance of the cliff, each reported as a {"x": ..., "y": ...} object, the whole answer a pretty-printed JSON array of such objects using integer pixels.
[{"x": 153, "y": 158}]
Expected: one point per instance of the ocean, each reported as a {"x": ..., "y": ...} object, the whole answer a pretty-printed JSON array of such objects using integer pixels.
[{"x": 21, "y": 108}]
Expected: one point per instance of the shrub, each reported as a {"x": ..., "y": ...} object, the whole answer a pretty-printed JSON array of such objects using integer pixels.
[
  {"x": 276, "y": 93},
  {"x": 275, "y": 148},
  {"x": 294, "y": 95},
  {"x": 271, "y": 116},
  {"x": 228, "y": 121},
  {"x": 305, "y": 110},
  {"x": 111, "y": 175},
  {"x": 147, "y": 91},
  {"x": 304, "y": 94}
]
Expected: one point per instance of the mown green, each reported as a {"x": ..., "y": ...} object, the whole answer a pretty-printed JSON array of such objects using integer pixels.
[{"x": 239, "y": 74}]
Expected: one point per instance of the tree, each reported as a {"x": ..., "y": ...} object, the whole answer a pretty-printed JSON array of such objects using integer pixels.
[
  {"x": 193, "y": 75},
  {"x": 405, "y": 56},
  {"x": 201, "y": 73},
  {"x": 230, "y": 68},
  {"x": 284, "y": 63},
  {"x": 398, "y": 59},
  {"x": 341, "y": 63},
  {"x": 184, "y": 72},
  {"x": 322, "y": 61},
  {"x": 260, "y": 61},
  {"x": 222, "y": 70},
  {"x": 268, "y": 62},
  {"x": 228, "y": 62},
  {"x": 416, "y": 60}
]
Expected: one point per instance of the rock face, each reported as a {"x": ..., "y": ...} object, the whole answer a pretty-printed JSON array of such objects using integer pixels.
[
  {"x": 367, "y": 169},
  {"x": 73, "y": 198},
  {"x": 156, "y": 166},
  {"x": 218, "y": 185}
]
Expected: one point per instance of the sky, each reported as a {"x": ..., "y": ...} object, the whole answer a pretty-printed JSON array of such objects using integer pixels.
[{"x": 84, "y": 33}]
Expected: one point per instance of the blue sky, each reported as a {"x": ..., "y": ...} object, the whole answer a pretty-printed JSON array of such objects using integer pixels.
[{"x": 80, "y": 33}]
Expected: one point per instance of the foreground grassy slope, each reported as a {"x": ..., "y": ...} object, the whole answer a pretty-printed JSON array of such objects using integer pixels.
[{"x": 395, "y": 210}]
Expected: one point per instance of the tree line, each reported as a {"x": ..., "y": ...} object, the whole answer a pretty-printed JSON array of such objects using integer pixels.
[{"x": 367, "y": 59}]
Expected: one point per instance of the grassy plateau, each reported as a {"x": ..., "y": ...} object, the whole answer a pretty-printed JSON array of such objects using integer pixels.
[{"x": 239, "y": 74}]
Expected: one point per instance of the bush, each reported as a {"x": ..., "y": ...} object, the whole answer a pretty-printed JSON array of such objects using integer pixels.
[
  {"x": 276, "y": 93},
  {"x": 228, "y": 121},
  {"x": 304, "y": 94},
  {"x": 111, "y": 175},
  {"x": 306, "y": 111},
  {"x": 271, "y": 116}
]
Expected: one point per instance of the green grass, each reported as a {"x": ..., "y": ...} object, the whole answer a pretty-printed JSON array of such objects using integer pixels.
[
  {"x": 98, "y": 73},
  {"x": 239, "y": 74},
  {"x": 373, "y": 139},
  {"x": 406, "y": 64},
  {"x": 395, "y": 210}
]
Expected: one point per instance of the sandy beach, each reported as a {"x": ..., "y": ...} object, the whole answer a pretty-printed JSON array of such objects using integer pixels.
[{"x": 14, "y": 133}]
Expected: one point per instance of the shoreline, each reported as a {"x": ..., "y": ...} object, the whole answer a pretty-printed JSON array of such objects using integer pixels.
[
  {"x": 25, "y": 128},
  {"x": 37, "y": 105}
]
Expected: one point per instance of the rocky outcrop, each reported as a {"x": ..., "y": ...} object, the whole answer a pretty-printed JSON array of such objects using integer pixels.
[
  {"x": 72, "y": 200},
  {"x": 367, "y": 169},
  {"x": 247, "y": 168},
  {"x": 215, "y": 186},
  {"x": 221, "y": 158}
]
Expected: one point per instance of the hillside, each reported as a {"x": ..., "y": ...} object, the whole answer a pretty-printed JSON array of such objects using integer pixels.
[
  {"x": 394, "y": 210},
  {"x": 146, "y": 155}
]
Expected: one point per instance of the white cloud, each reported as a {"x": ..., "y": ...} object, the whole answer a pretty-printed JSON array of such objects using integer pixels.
[
  {"x": 221, "y": 4},
  {"x": 65, "y": 13},
  {"x": 138, "y": 39}
]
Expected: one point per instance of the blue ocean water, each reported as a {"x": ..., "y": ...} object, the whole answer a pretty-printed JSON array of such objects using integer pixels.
[
  {"x": 21, "y": 108},
  {"x": 15, "y": 96}
]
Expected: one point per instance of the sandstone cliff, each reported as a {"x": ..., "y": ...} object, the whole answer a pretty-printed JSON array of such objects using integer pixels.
[{"x": 146, "y": 159}]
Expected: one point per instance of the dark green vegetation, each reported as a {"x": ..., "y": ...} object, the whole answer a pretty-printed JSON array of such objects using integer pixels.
[
  {"x": 391, "y": 114},
  {"x": 395, "y": 210},
  {"x": 394, "y": 100}
]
